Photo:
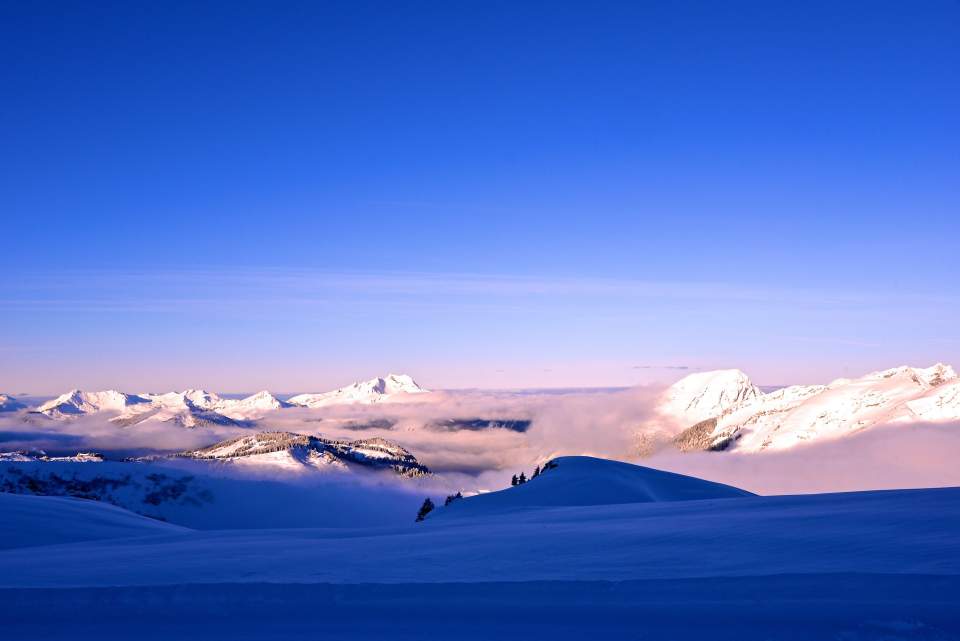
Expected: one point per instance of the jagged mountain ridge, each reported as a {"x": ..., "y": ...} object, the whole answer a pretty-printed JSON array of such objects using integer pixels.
[
  {"x": 312, "y": 451},
  {"x": 197, "y": 407},
  {"x": 803, "y": 413}
]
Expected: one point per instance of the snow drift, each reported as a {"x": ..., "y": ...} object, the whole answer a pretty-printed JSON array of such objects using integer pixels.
[{"x": 584, "y": 480}]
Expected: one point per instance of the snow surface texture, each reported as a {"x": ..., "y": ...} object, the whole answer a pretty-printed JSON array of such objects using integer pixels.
[
  {"x": 723, "y": 410},
  {"x": 873, "y": 565}
]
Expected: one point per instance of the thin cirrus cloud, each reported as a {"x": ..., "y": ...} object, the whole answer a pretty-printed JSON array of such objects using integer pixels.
[
  {"x": 157, "y": 291},
  {"x": 675, "y": 367}
]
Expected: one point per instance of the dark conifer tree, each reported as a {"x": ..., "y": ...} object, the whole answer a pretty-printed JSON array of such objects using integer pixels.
[
  {"x": 522, "y": 479},
  {"x": 536, "y": 472},
  {"x": 425, "y": 509},
  {"x": 513, "y": 480}
]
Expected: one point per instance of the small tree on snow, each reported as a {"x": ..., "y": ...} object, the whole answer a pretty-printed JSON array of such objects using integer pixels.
[
  {"x": 514, "y": 480},
  {"x": 425, "y": 509},
  {"x": 522, "y": 479},
  {"x": 452, "y": 498},
  {"x": 536, "y": 472}
]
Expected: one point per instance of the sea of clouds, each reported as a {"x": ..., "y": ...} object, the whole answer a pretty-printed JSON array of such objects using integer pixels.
[{"x": 617, "y": 424}]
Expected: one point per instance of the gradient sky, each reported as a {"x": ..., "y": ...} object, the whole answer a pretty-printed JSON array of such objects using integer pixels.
[{"x": 297, "y": 195}]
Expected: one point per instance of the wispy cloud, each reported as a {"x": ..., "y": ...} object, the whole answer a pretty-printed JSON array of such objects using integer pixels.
[
  {"x": 677, "y": 367},
  {"x": 173, "y": 290}
]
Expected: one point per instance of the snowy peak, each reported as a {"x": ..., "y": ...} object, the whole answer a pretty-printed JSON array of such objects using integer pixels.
[
  {"x": 806, "y": 413},
  {"x": 925, "y": 377},
  {"x": 391, "y": 388},
  {"x": 706, "y": 395},
  {"x": 10, "y": 404},
  {"x": 191, "y": 399},
  {"x": 261, "y": 400},
  {"x": 76, "y": 402},
  {"x": 291, "y": 450}
]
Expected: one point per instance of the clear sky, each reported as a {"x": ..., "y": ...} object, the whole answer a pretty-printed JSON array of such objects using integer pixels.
[{"x": 501, "y": 194}]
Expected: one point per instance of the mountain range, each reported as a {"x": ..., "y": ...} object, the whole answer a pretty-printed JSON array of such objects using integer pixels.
[
  {"x": 196, "y": 408},
  {"x": 725, "y": 410},
  {"x": 716, "y": 410},
  {"x": 298, "y": 451}
]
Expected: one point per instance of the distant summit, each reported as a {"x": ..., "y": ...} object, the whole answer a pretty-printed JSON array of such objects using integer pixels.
[
  {"x": 704, "y": 395},
  {"x": 10, "y": 404},
  {"x": 77, "y": 402},
  {"x": 378, "y": 390},
  {"x": 303, "y": 452},
  {"x": 723, "y": 410}
]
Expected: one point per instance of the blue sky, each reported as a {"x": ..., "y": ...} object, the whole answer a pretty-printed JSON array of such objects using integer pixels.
[{"x": 481, "y": 194}]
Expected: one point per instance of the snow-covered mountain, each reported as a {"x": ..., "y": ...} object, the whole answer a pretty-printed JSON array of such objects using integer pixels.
[
  {"x": 24, "y": 456},
  {"x": 76, "y": 402},
  {"x": 197, "y": 407},
  {"x": 787, "y": 417},
  {"x": 302, "y": 452},
  {"x": 194, "y": 408},
  {"x": 189, "y": 408},
  {"x": 10, "y": 404},
  {"x": 391, "y": 388},
  {"x": 704, "y": 395}
]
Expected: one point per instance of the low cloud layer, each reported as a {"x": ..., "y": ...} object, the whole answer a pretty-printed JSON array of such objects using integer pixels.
[
  {"x": 885, "y": 457},
  {"x": 599, "y": 423}
]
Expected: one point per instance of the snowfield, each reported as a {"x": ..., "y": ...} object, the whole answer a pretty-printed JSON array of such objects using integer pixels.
[
  {"x": 870, "y": 565},
  {"x": 47, "y": 520}
]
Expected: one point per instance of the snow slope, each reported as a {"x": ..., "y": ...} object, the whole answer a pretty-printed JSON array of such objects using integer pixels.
[
  {"x": 76, "y": 402},
  {"x": 704, "y": 395},
  {"x": 194, "y": 408},
  {"x": 803, "y": 414},
  {"x": 584, "y": 480},
  {"x": 45, "y": 520},
  {"x": 394, "y": 387},
  {"x": 202, "y": 494},
  {"x": 873, "y": 565},
  {"x": 723, "y": 410}
]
